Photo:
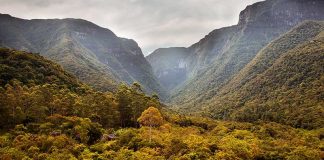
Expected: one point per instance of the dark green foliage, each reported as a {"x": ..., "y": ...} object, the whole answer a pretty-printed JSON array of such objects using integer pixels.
[
  {"x": 132, "y": 102},
  {"x": 66, "y": 131},
  {"x": 32, "y": 69},
  {"x": 21, "y": 104},
  {"x": 26, "y": 99}
]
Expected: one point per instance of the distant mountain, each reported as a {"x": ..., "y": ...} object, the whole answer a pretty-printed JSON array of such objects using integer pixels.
[
  {"x": 283, "y": 83},
  {"x": 215, "y": 59},
  {"x": 169, "y": 66},
  {"x": 94, "y": 54}
]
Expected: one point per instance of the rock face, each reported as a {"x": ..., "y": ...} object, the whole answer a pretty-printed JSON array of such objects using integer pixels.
[
  {"x": 94, "y": 54},
  {"x": 169, "y": 66},
  {"x": 216, "y": 58}
]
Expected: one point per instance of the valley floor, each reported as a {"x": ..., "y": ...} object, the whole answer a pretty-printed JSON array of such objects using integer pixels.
[{"x": 178, "y": 138}]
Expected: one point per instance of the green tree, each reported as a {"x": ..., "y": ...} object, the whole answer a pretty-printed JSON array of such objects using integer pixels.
[{"x": 124, "y": 105}]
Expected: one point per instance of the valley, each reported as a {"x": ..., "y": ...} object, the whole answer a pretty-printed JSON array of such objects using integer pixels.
[{"x": 70, "y": 89}]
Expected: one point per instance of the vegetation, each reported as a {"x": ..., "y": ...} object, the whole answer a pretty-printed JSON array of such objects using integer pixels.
[
  {"x": 276, "y": 102},
  {"x": 30, "y": 93},
  {"x": 61, "y": 137},
  {"x": 211, "y": 63},
  {"x": 151, "y": 117},
  {"x": 61, "y": 118},
  {"x": 32, "y": 69},
  {"x": 283, "y": 84}
]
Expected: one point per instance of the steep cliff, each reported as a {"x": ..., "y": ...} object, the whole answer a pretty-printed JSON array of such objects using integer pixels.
[
  {"x": 216, "y": 58},
  {"x": 170, "y": 66}
]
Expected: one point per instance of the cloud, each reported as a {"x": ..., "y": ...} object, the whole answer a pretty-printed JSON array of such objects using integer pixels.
[{"x": 152, "y": 23}]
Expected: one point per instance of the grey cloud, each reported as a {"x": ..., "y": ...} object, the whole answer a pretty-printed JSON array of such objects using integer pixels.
[{"x": 152, "y": 23}]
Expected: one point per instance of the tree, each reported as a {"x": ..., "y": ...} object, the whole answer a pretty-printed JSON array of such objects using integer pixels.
[
  {"x": 137, "y": 87},
  {"x": 124, "y": 105},
  {"x": 14, "y": 102},
  {"x": 151, "y": 117}
]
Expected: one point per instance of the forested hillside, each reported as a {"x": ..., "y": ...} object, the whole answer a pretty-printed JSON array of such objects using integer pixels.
[
  {"x": 284, "y": 83},
  {"x": 32, "y": 69},
  {"x": 33, "y": 88},
  {"x": 47, "y": 114}
]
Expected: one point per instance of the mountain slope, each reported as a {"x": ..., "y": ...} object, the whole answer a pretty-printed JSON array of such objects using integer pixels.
[
  {"x": 44, "y": 121},
  {"x": 283, "y": 83},
  {"x": 94, "y": 54},
  {"x": 32, "y": 69},
  {"x": 169, "y": 66},
  {"x": 268, "y": 55},
  {"x": 215, "y": 59}
]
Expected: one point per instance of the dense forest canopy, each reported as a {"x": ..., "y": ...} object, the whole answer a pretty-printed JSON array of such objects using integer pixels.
[
  {"x": 46, "y": 113},
  {"x": 33, "y": 88}
]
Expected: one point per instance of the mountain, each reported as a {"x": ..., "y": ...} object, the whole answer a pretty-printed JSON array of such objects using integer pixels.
[
  {"x": 283, "y": 83},
  {"x": 169, "y": 66},
  {"x": 92, "y": 53},
  {"x": 215, "y": 59},
  {"x": 32, "y": 69}
]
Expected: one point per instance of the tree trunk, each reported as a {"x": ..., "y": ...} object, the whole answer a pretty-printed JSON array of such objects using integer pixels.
[{"x": 150, "y": 133}]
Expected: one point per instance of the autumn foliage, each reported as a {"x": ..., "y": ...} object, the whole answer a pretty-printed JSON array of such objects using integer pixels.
[{"x": 151, "y": 117}]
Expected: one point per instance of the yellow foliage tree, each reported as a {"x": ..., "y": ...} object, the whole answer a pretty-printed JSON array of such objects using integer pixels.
[{"x": 151, "y": 117}]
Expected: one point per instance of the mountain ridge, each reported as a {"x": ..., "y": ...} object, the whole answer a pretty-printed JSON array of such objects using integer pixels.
[
  {"x": 93, "y": 53},
  {"x": 285, "y": 89},
  {"x": 224, "y": 52}
]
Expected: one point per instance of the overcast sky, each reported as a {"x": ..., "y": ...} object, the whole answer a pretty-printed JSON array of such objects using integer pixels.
[{"x": 152, "y": 23}]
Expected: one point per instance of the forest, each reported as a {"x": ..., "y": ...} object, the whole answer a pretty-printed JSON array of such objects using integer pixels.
[
  {"x": 46, "y": 113},
  {"x": 162, "y": 80}
]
